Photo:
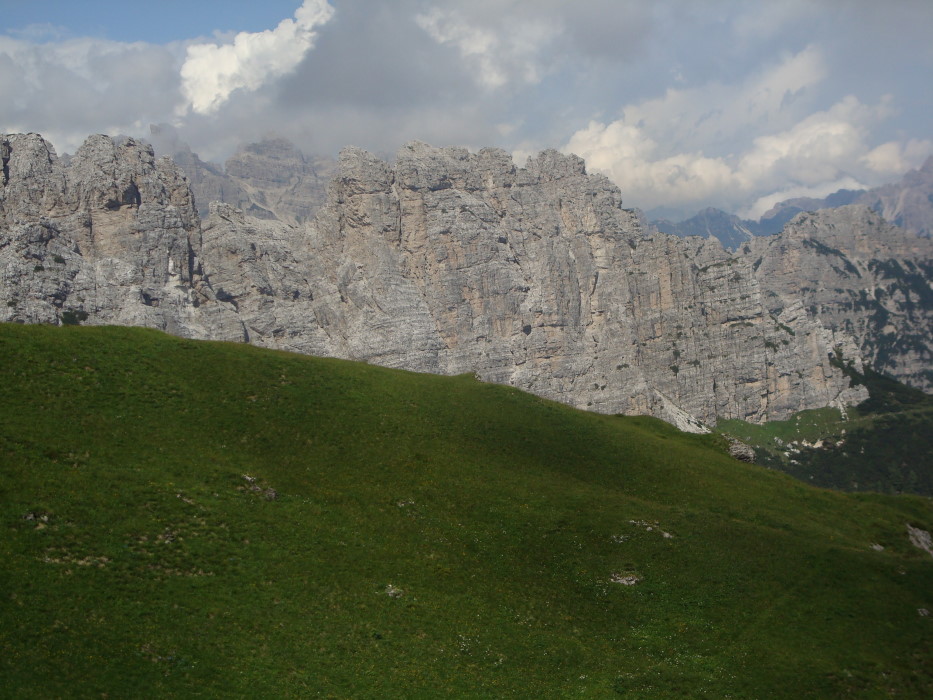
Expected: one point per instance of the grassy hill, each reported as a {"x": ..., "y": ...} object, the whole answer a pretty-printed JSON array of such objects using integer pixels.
[
  {"x": 884, "y": 445},
  {"x": 215, "y": 520}
]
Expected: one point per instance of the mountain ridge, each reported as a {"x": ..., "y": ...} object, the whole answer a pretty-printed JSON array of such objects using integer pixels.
[
  {"x": 451, "y": 262},
  {"x": 907, "y": 203}
]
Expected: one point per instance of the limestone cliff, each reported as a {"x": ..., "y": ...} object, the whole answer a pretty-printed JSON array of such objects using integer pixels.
[
  {"x": 110, "y": 239},
  {"x": 861, "y": 276},
  {"x": 450, "y": 261},
  {"x": 536, "y": 277}
]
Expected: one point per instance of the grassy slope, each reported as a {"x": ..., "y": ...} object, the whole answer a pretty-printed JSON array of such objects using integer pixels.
[
  {"x": 499, "y": 515},
  {"x": 885, "y": 445}
]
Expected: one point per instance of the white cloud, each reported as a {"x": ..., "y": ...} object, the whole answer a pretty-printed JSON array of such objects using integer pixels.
[
  {"x": 894, "y": 158},
  {"x": 69, "y": 89},
  {"x": 630, "y": 157},
  {"x": 663, "y": 152},
  {"x": 212, "y": 72},
  {"x": 717, "y": 112},
  {"x": 498, "y": 55}
]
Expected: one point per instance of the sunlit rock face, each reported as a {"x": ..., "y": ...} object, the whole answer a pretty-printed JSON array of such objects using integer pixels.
[
  {"x": 109, "y": 238},
  {"x": 862, "y": 277},
  {"x": 449, "y": 261}
]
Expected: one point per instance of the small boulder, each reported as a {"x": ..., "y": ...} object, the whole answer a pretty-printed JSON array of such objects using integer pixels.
[{"x": 741, "y": 451}]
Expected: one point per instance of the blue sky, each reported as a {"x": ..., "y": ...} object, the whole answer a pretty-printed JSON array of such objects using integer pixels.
[
  {"x": 157, "y": 21},
  {"x": 684, "y": 104}
]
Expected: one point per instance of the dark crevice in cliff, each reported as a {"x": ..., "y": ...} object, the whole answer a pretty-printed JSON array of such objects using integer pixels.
[{"x": 5, "y": 151}]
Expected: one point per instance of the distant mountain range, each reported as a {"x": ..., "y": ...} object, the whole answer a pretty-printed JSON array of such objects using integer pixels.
[{"x": 907, "y": 203}]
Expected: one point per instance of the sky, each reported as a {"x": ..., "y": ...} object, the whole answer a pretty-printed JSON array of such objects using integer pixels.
[{"x": 684, "y": 104}]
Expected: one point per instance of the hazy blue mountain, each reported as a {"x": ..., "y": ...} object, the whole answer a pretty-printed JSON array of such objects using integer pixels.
[{"x": 907, "y": 203}]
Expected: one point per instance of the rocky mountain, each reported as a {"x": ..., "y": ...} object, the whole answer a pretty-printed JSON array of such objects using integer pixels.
[
  {"x": 860, "y": 275},
  {"x": 908, "y": 204},
  {"x": 727, "y": 228},
  {"x": 270, "y": 179},
  {"x": 773, "y": 220},
  {"x": 109, "y": 237},
  {"x": 450, "y": 262}
]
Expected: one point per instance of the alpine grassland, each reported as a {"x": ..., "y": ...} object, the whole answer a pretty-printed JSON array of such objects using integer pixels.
[
  {"x": 195, "y": 519},
  {"x": 885, "y": 444}
]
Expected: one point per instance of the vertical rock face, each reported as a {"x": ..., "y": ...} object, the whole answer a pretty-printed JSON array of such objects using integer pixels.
[
  {"x": 536, "y": 277},
  {"x": 451, "y": 261},
  {"x": 860, "y": 276},
  {"x": 110, "y": 238}
]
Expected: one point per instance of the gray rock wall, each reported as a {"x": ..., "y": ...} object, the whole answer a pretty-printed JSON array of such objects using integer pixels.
[
  {"x": 109, "y": 239},
  {"x": 860, "y": 276},
  {"x": 451, "y": 261},
  {"x": 536, "y": 277}
]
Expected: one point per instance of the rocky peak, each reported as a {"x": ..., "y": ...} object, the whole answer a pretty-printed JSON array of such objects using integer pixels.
[
  {"x": 270, "y": 179},
  {"x": 862, "y": 277},
  {"x": 33, "y": 181},
  {"x": 274, "y": 180},
  {"x": 359, "y": 171},
  {"x": 451, "y": 261},
  {"x": 554, "y": 165},
  {"x": 110, "y": 236},
  {"x": 269, "y": 163}
]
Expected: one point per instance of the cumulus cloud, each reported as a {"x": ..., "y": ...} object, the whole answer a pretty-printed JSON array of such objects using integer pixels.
[
  {"x": 631, "y": 158},
  {"x": 894, "y": 157},
  {"x": 662, "y": 151},
  {"x": 211, "y": 72},
  {"x": 498, "y": 56},
  {"x": 69, "y": 89}
]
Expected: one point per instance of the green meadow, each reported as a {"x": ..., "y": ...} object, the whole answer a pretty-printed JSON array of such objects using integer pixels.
[
  {"x": 193, "y": 519},
  {"x": 885, "y": 444}
]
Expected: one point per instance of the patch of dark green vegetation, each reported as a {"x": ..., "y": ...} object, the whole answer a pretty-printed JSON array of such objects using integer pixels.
[
  {"x": 73, "y": 318},
  {"x": 787, "y": 329},
  {"x": 885, "y": 445},
  {"x": 886, "y": 395},
  {"x": 905, "y": 294},
  {"x": 204, "y": 519}
]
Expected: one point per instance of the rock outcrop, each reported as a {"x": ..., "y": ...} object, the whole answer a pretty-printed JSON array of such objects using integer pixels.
[
  {"x": 449, "y": 262},
  {"x": 536, "y": 277},
  {"x": 270, "y": 179},
  {"x": 861, "y": 277},
  {"x": 908, "y": 203},
  {"x": 110, "y": 239}
]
